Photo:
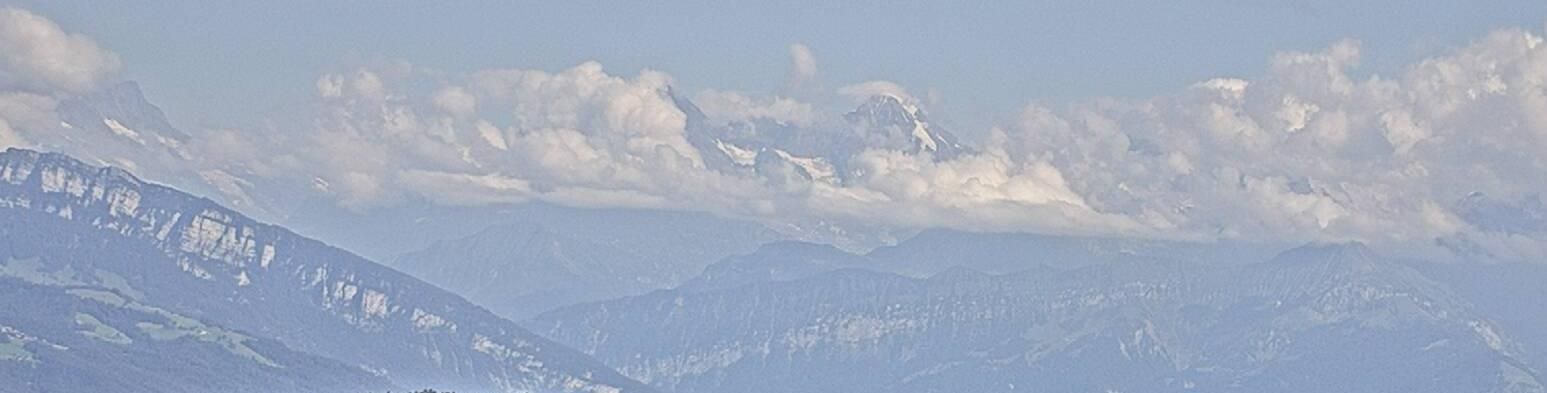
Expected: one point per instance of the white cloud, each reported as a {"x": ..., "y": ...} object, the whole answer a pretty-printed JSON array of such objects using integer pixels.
[
  {"x": 1402, "y": 131},
  {"x": 1308, "y": 151},
  {"x": 864, "y": 90},
  {"x": 1295, "y": 114},
  {"x": 28, "y": 110},
  {"x": 802, "y": 66},
  {"x": 988, "y": 191},
  {"x": 467, "y": 189},
  {"x": 721, "y": 105},
  {"x": 331, "y": 85},
  {"x": 9, "y": 137},
  {"x": 633, "y": 114},
  {"x": 36, "y": 53},
  {"x": 583, "y": 137},
  {"x": 456, "y": 101},
  {"x": 41, "y": 65},
  {"x": 579, "y": 136},
  {"x": 365, "y": 84}
]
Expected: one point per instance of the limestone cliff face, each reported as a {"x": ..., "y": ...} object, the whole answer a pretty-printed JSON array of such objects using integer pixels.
[{"x": 192, "y": 256}]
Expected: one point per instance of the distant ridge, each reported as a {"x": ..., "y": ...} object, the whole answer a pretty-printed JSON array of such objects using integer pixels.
[{"x": 192, "y": 257}]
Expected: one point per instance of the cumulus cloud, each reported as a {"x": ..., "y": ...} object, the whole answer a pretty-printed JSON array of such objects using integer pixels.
[
  {"x": 25, "y": 110},
  {"x": 580, "y": 136},
  {"x": 584, "y": 137},
  {"x": 9, "y": 137},
  {"x": 987, "y": 191},
  {"x": 802, "y": 67},
  {"x": 1309, "y": 151},
  {"x": 456, "y": 101},
  {"x": 721, "y": 105},
  {"x": 35, "y": 52}
]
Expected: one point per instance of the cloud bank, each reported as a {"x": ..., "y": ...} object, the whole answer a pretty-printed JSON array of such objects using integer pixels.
[{"x": 1310, "y": 150}]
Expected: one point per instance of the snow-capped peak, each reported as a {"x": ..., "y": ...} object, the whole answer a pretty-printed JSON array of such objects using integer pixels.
[
  {"x": 887, "y": 109},
  {"x": 118, "y": 108},
  {"x": 898, "y": 117}
]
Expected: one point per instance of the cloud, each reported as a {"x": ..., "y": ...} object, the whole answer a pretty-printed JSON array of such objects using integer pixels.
[
  {"x": 1308, "y": 151},
  {"x": 456, "y": 101},
  {"x": 36, "y": 53},
  {"x": 331, "y": 85},
  {"x": 861, "y": 91},
  {"x": 987, "y": 191},
  {"x": 9, "y": 137},
  {"x": 578, "y": 136},
  {"x": 467, "y": 189},
  {"x": 584, "y": 137},
  {"x": 44, "y": 69},
  {"x": 721, "y": 105},
  {"x": 1311, "y": 150},
  {"x": 802, "y": 67},
  {"x": 25, "y": 110}
]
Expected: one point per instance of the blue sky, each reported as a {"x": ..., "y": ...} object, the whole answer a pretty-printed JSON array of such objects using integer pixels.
[{"x": 235, "y": 64}]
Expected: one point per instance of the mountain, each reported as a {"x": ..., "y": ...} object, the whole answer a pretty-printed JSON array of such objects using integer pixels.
[
  {"x": 518, "y": 272},
  {"x": 161, "y": 274},
  {"x": 389, "y": 233},
  {"x": 117, "y": 126},
  {"x": 536, "y": 258},
  {"x": 1321, "y": 318},
  {"x": 820, "y": 151},
  {"x": 1509, "y": 293},
  {"x": 934, "y": 251},
  {"x": 1507, "y": 230},
  {"x": 1527, "y": 215},
  {"x": 778, "y": 261},
  {"x": 78, "y": 330},
  {"x": 893, "y": 123},
  {"x": 120, "y": 109}
]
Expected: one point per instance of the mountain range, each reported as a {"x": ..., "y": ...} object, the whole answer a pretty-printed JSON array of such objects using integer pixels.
[
  {"x": 114, "y": 284},
  {"x": 536, "y": 258},
  {"x": 1318, "y": 318}
]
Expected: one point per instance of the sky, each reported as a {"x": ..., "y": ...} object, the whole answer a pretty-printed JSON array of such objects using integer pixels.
[
  {"x": 1408, "y": 125},
  {"x": 240, "y": 64}
]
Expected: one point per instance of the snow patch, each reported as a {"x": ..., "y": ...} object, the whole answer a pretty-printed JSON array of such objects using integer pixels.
[
  {"x": 120, "y": 130},
  {"x": 817, "y": 167},
  {"x": 1489, "y": 336},
  {"x": 739, "y": 155}
]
